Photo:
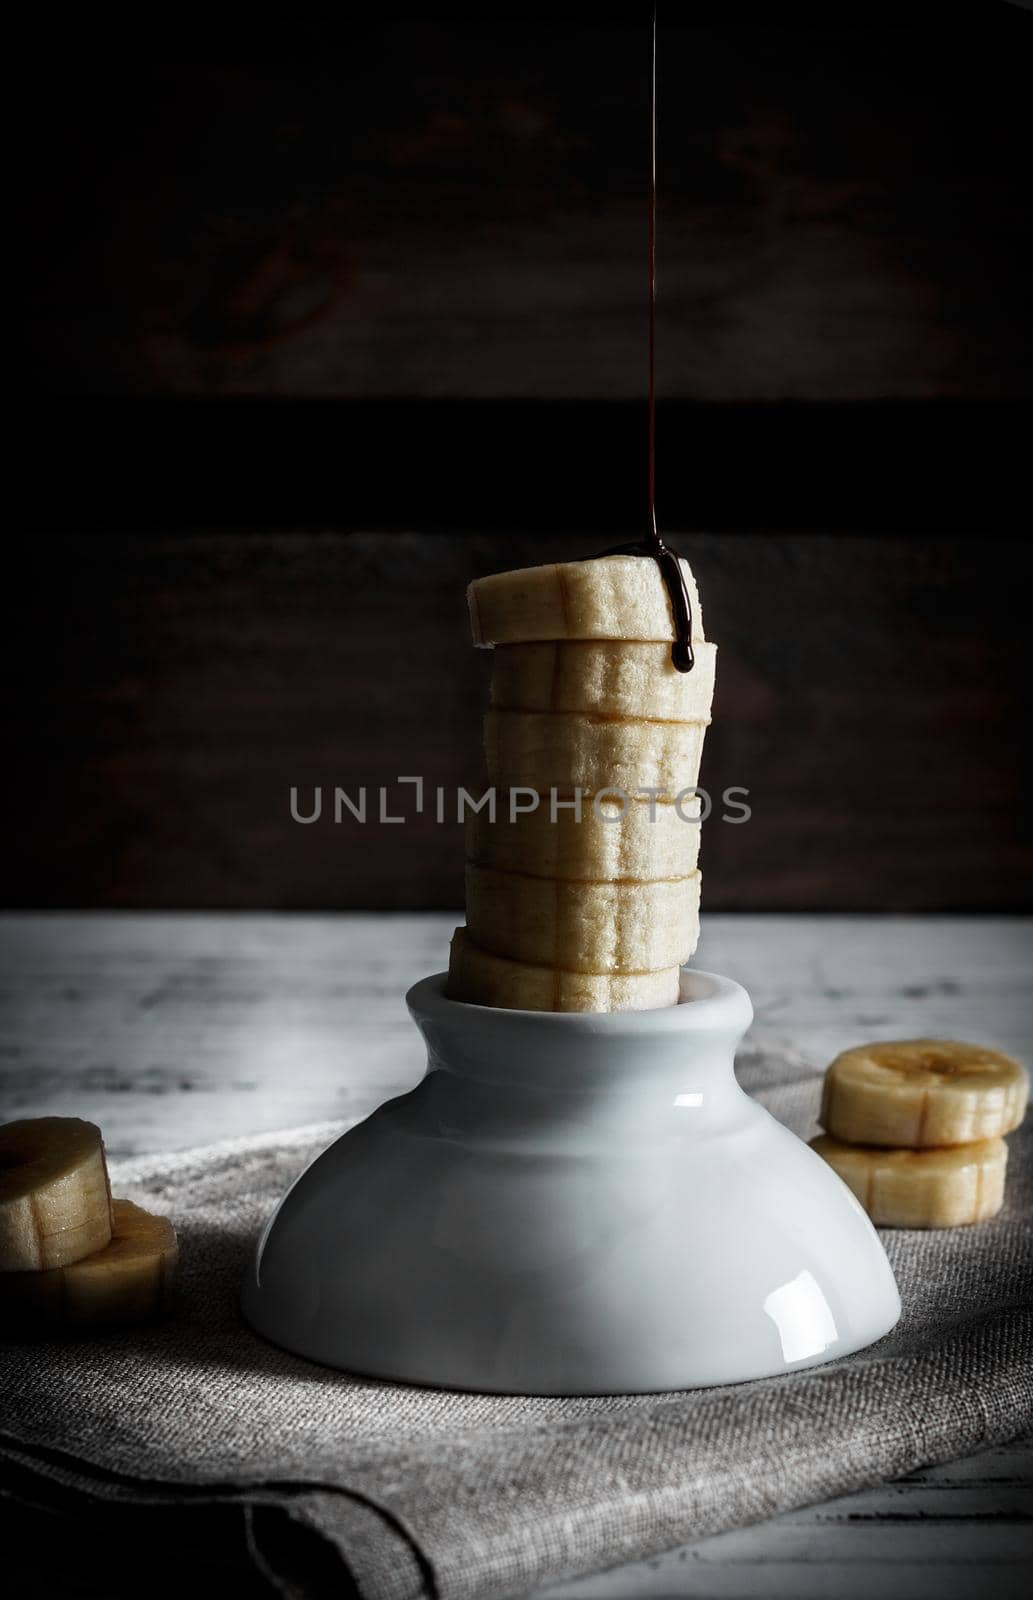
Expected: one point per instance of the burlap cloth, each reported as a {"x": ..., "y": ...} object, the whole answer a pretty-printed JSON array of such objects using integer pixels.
[{"x": 344, "y": 1485}]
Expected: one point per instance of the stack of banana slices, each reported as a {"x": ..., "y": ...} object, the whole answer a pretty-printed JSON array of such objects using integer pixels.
[
  {"x": 915, "y": 1128},
  {"x": 70, "y": 1256},
  {"x": 582, "y": 892}
]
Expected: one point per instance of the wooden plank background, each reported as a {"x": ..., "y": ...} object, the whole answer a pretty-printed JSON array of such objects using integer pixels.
[
  {"x": 323, "y": 326},
  {"x": 456, "y": 206},
  {"x": 870, "y": 696}
]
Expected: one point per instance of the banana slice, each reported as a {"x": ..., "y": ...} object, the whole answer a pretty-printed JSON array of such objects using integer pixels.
[
  {"x": 922, "y": 1188},
  {"x": 128, "y": 1281},
  {"x": 55, "y": 1202},
  {"x": 610, "y": 842},
  {"x": 611, "y": 597},
  {"x": 922, "y": 1092},
  {"x": 615, "y": 678},
  {"x": 562, "y": 751},
  {"x": 483, "y": 979},
  {"x": 583, "y": 927}
]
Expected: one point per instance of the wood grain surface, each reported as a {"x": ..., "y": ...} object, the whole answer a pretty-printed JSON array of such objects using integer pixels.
[
  {"x": 175, "y": 1030},
  {"x": 946, "y": 1533}
]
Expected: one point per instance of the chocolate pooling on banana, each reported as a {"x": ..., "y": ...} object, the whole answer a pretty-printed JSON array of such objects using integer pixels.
[{"x": 671, "y": 572}]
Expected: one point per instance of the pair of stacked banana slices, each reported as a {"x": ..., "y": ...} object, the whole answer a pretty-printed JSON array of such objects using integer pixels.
[
  {"x": 582, "y": 891},
  {"x": 70, "y": 1256},
  {"x": 915, "y": 1128}
]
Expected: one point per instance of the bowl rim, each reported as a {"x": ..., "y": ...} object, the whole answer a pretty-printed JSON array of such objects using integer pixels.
[{"x": 706, "y": 1000}]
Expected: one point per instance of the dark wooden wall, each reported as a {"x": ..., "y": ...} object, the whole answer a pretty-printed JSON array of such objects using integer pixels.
[
  {"x": 317, "y": 335},
  {"x": 872, "y": 696},
  {"x": 445, "y": 207}
]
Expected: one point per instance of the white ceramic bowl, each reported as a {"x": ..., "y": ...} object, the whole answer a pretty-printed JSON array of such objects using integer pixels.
[{"x": 572, "y": 1204}]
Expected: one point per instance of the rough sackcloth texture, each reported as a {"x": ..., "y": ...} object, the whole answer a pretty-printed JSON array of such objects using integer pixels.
[{"x": 349, "y": 1486}]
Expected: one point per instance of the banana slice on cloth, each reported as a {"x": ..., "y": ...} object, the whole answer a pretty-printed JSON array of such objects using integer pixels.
[
  {"x": 128, "y": 1281},
  {"x": 917, "y": 1093},
  {"x": 611, "y": 841},
  {"x": 611, "y": 597},
  {"x": 484, "y": 979},
  {"x": 616, "y": 678},
  {"x": 55, "y": 1201},
  {"x": 563, "y": 751},
  {"x": 583, "y": 927},
  {"x": 943, "y": 1188}
]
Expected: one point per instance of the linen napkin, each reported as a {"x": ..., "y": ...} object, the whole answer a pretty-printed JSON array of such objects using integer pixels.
[{"x": 317, "y": 1482}]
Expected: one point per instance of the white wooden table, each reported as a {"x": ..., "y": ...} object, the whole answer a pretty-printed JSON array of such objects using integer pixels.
[{"x": 173, "y": 1029}]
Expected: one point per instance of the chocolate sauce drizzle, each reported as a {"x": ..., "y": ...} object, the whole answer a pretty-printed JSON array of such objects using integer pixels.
[{"x": 653, "y": 544}]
